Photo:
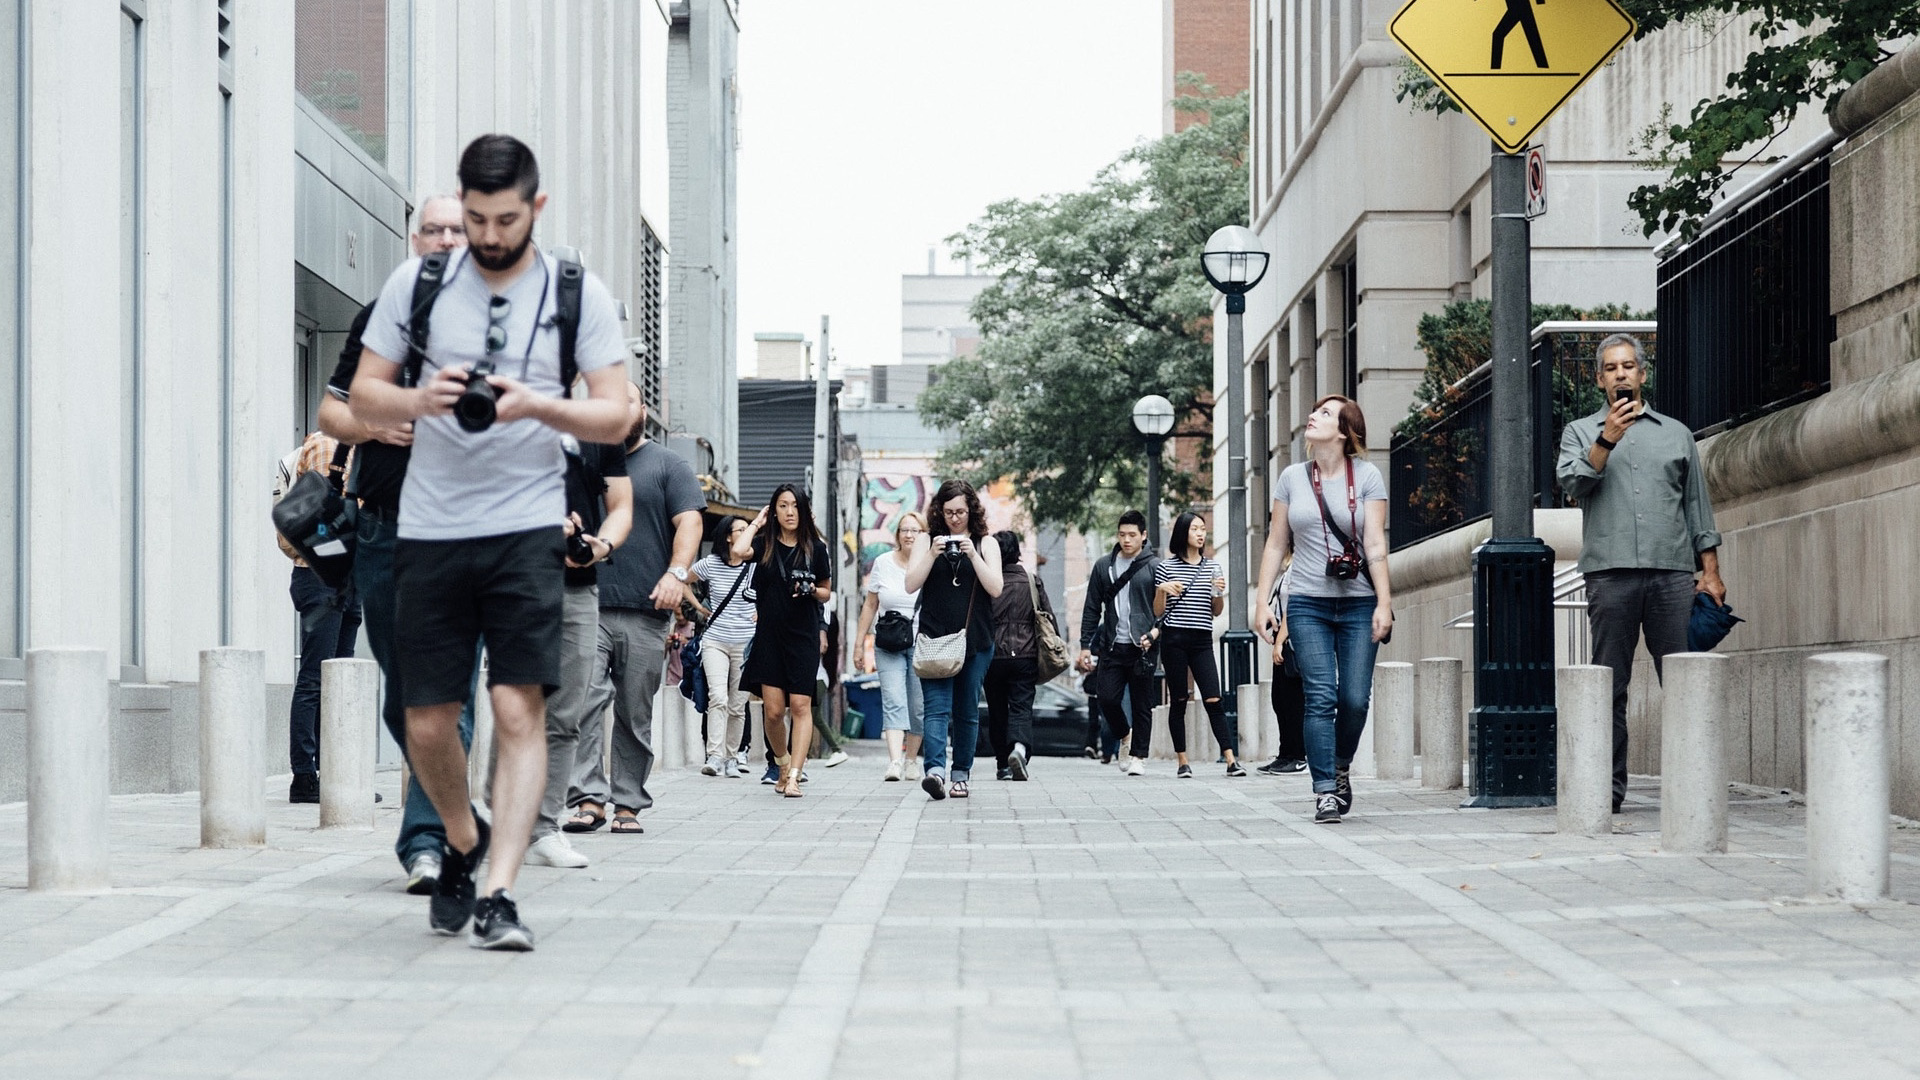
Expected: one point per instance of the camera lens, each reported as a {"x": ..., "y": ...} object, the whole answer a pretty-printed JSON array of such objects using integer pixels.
[{"x": 474, "y": 408}]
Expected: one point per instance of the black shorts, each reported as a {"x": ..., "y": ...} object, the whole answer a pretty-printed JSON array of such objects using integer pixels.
[{"x": 450, "y": 593}]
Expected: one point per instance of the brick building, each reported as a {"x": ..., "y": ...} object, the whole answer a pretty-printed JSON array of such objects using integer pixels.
[{"x": 1208, "y": 37}]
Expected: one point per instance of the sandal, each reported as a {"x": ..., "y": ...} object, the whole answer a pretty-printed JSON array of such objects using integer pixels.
[
  {"x": 626, "y": 823},
  {"x": 790, "y": 782},
  {"x": 585, "y": 821}
]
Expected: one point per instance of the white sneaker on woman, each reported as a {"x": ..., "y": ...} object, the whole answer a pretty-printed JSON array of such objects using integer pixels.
[
  {"x": 895, "y": 768},
  {"x": 913, "y": 769},
  {"x": 712, "y": 767},
  {"x": 1136, "y": 767}
]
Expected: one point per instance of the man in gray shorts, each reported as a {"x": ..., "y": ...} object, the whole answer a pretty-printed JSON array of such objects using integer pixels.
[{"x": 481, "y": 548}]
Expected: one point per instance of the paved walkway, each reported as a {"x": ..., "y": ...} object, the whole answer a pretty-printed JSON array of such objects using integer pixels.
[{"x": 1083, "y": 924}]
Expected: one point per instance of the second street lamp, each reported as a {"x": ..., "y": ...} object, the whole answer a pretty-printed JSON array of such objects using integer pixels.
[{"x": 1153, "y": 418}]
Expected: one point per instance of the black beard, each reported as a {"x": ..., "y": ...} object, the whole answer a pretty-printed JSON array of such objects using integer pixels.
[
  {"x": 487, "y": 262},
  {"x": 638, "y": 429}
]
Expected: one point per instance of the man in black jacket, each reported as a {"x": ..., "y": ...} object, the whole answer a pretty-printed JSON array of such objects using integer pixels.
[{"x": 1117, "y": 618}]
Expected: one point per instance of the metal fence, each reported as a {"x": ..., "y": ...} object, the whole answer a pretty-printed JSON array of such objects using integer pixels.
[
  {"x": 1744, "y": 308},
  {"x": 1441, "y": 477}
]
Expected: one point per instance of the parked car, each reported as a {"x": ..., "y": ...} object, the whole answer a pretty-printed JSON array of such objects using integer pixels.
[{"x": 1059, "y": 724}]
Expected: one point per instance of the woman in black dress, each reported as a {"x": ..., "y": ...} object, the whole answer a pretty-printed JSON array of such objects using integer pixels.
[
  {"x": 792, "y": 577},
  {"x": 958, "y": 575}
]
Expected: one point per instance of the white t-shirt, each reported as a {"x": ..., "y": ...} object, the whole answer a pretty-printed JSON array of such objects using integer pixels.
[
  {"x": 1123, "y": 599},
  {"x": 888, "y": 581},
  {"x": 736, "y": 622},
  {"x": 510, "y": 477},
  {"x": 1312, "y": 545}
]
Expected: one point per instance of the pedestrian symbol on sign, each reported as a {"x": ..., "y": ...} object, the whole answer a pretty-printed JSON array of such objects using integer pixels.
[{"x": 1519, "y": 14}]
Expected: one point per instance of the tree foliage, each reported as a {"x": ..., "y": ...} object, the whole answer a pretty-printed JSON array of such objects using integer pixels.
[
  {"x": 1100, "y": 300},
  {"x": 1804, "y": 51}
]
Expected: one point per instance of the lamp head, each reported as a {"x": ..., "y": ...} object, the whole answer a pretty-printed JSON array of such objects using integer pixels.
[
  {"x": 1233, "y": 260},
  {"x": 1153, "y": 416}
]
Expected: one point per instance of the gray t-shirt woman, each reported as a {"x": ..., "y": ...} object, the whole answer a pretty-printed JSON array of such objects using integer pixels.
[{"x": 1313, "y": 545}]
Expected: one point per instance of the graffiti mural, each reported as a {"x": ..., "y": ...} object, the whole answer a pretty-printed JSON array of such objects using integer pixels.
[{"x": 887, "y": 496}]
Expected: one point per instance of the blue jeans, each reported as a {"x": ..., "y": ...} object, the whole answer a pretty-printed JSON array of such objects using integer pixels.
[
  {"x": 953, "y": 709},
  {"x": 1333, "y": 637},
  {"x": 420, "y": 827},
  {"x": 902, "y": 701}
]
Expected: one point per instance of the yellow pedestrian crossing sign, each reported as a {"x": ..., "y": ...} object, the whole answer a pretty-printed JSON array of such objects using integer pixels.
[{"x": 1511, "y": 63}]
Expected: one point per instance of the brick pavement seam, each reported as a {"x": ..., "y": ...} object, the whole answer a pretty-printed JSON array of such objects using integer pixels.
[{"x": 1711, "y": 1048}]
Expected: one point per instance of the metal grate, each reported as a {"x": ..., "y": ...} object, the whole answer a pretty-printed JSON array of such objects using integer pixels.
[
  {"x": 650, "y": 359},
  {"x": 225, "y": 23}
]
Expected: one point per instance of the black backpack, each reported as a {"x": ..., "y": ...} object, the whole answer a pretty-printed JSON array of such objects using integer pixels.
[{"x": 433, "y": 276}]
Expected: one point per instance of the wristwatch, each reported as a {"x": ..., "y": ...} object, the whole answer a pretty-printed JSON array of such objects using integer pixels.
[
  {"x": 1602, "y": 442},
  {"x": 679, "y": 573}
]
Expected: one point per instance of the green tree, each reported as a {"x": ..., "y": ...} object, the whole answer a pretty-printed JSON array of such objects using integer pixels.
[
  {"x": 1804, "y": 51},
  {"x": 1099, "y": 301}
]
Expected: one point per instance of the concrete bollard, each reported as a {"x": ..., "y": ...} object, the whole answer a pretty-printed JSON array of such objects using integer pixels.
[
  {"x": 1693, "y": 762},
  {"x": 68, "y": 765},
  {"x": 349, "y": 739},
  {"x": 1259, "y": 730},
  {"x": 1393, "y": 720},
  {"x": 1160, "y": 739},
  {"x": 233, "y": 748},
  {"x": 1583, "y": 785},
  {"x": 1437, "y": 681},
  {"x": 1849, "y": 784}
]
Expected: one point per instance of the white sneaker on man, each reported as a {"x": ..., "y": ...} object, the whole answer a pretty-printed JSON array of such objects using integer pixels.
[
  {"x": 836, "y": 758},
  {"x": 733, "y": 769},
  {"x": 1136, "y": 767},
  {"x": 712, "y": 767},
  {"x": 553, "y": 850}
]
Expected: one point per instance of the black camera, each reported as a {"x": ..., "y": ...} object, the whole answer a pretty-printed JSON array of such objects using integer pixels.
[
  {"x": 474, "y": 408},
  {"x": 1345, "y": 566},
  {"x": 952, "y": 551},
  {"x": 579, "y": 550},
  {"x": 802, "y": 580}
]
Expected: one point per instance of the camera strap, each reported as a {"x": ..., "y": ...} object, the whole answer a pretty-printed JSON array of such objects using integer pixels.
[
  {"x": 1346, "y": 542},
  {"x": 433, "y": 277}
]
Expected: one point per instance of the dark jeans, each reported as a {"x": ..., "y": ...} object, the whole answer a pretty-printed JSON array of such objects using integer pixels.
[
  {"x": 1009, "y": 689},
  {"x": 1620, "y": 605},
  {"x": 1333, "y": 636},
  {"x": 420, "y": 828},
  {"x": 1290, "y": 708},
  {"x": 1184, "y": 650},
  {"x": 327, "y": 632},
  {"x": 1115, "y": 678}
]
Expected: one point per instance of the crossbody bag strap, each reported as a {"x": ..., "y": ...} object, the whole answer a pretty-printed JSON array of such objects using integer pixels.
[
  {"x": 1200, "y": 569},
  {"x": 727, "y": 599}
]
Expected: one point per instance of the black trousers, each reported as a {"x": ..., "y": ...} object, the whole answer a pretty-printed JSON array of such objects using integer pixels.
[
  {"x": 1184, "y": 650},
  {"x": 329, "y": 627},
  {"x": 1115, "y": 678},
  {"x": 1009, "y": 690},
  {"x": 1290, "y": 708},
  {"x": 1621, "y": 605}
]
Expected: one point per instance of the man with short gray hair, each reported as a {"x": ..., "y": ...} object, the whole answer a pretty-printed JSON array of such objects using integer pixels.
[{"x": 1646, "y": 527}]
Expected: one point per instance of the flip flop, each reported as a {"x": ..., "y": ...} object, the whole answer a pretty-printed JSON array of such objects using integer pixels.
[
  {"x": 584, "y": 821},
  {"x": 626, "y": 824}
]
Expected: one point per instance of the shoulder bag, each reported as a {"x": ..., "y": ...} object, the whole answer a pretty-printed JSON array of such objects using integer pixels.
[
  {"x": 893, "y": 632},
  {"x": 942, "y": 657},
  {"x": 1051, "y": 651},
  {"x": 693, "y": 674}
]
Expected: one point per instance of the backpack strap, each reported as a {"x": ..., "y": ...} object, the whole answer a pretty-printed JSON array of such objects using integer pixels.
[
  {"x": 566, "y": 316},
  {"x": 426, "y": 289}
]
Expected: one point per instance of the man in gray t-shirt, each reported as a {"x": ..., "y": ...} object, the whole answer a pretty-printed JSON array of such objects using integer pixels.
[{"x": 481, "y": 549}]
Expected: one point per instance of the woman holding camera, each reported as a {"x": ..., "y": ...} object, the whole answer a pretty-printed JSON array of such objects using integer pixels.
[
  {"x": 792, "y": 577},
  {"x": 723, "y": 648},
  {"x": 958, "y": 576},
  {"x": 889, "y": 609},
  {"x": 1189, "y": 590},
  {"x": 1331, "y": 510}
]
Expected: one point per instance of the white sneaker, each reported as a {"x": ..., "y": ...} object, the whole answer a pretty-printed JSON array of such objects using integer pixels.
[
  {"x": 836, "y": 758},
  {"x": 733, "y": 769},
  {"x": 553, "y": 850},
  {"x": 740, "y": 758},
  {"x": 895, "y": 769},
  {"x": 913, "y": 769},
  {"x": 1136, "y": 767},
  {"x": 712, "y": 767}
]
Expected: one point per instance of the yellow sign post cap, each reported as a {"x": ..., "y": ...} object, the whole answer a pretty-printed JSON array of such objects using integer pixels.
[{"x": 1511, "y": 64}]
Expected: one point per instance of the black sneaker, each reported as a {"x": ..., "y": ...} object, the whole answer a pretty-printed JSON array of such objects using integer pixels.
[
  {"x": 934, "y": 785},
  {"x": 497, "y": 925},
  {"x": 305, "y": 788},
  {"x": 1343, "y": 788},
  {"x": 1184, "y": 772},
  {"x": 1281, "y": 766},
  {"x": 452, "y": 903},
  {"x": 1326, "y": 808},
  {"x": 1234, "y": 769},
  {"x": 1017, "y": 762},
  {"x": 1003, "y": 773}
]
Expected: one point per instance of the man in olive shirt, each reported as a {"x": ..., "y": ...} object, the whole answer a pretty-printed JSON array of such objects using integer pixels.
[{"x": 1646, "y": 528}]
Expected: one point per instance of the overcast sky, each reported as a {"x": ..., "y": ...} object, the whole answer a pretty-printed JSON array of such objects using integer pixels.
[{"x": 872, "y": 129}]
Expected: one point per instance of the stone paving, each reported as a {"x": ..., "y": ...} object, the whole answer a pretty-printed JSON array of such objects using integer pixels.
[{"x": 1082, "y": 924}]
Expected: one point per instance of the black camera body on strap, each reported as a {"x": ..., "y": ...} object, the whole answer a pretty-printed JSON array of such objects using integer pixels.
[{"x": 1350, "y": 563}]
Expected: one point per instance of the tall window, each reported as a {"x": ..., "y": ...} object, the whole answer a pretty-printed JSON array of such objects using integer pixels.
[
  {"x": 350, "y": 60},
  {"x": 12, "y": 407},
  {"x": 132, "y": 140},
  {"x": 226, "y": 34},
  {"x": 1350, "y": 332},
  {"x": 650, "y": 360}
]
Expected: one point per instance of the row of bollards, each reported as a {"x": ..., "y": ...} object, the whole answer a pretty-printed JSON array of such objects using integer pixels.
[
  {"x": 69, "y": 757},
  {"x": 1849, "y": 782}
]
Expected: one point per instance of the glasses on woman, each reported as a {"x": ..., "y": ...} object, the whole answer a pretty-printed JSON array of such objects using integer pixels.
[{"x": 497, "y": 311}]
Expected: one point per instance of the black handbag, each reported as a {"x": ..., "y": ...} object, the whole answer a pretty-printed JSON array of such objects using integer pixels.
[
  {"x": 893, "y": 632},
  {"x": 319, "y": 522}
]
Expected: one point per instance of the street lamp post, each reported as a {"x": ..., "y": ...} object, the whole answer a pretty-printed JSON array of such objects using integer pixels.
[
  {"x": 1153, "y": 418},
  {"x": 1234, "y": 263}
]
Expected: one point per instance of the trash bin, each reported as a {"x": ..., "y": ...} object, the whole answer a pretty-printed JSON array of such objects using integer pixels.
[{"x": 863, "y": 693}]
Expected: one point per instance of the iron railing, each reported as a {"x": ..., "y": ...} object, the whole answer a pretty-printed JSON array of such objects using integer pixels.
[{"x": 1744, "y": 308}]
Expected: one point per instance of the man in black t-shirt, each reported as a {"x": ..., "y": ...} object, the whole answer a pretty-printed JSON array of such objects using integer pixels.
[
  {"x": 380, "y": 469},
  {"x": 600, "y": 510}
]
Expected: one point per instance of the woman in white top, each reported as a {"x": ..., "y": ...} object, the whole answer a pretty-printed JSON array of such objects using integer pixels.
[
  {"x": 1331, "y": 511},
  {"x": 1189, "y": 590},
  {"x": 723, "y": 648},
  {"x": 887, "y": 594}
]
